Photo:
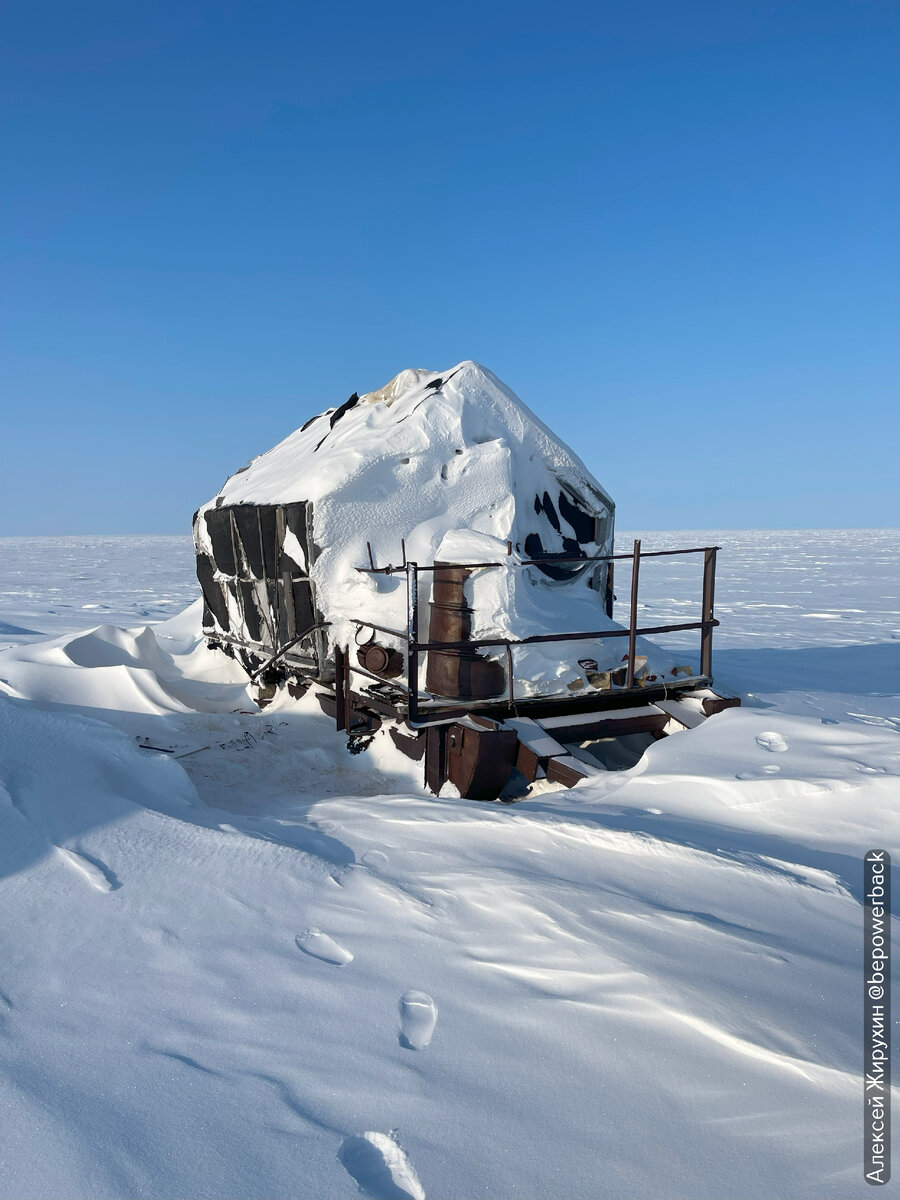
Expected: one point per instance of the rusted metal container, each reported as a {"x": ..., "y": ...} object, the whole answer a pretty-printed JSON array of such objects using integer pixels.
[
  {"x": 459, "y": 673},
  {"x": 480, "y": 755},
  {"x": 380, "y": 660}
]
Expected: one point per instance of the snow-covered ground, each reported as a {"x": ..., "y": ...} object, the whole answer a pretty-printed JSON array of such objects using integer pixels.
[{"x": 272, "y": 969}]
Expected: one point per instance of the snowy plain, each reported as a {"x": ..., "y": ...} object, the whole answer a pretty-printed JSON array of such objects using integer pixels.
[{"x": 272, "y": 969}]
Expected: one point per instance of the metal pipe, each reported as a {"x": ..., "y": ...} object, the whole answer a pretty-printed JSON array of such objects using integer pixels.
[
  {"x": 590, "y": 635},
  {"x": 597, "y": 634},
  {"x": 537, "y": 562},
  {"x": 403, "y": 635},
  {"x": 348, "y": 703},
  {"x": 339, "y": 680},
  {"x": 632, "y": 619},
  {"x": 412, "y": 650},
  {"x": 709, "y": 595},
  {"x": 394, "y": 683},
  {"x": 610, "y": 589}
]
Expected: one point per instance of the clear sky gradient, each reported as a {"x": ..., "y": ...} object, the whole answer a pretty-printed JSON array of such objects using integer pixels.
[{"x": 672, "y": 228}]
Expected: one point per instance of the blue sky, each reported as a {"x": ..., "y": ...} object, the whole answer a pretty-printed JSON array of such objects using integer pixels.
[{"x": 672, "y": 228}]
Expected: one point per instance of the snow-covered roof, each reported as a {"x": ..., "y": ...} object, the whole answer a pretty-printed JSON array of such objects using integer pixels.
[
  {"x": 429, "y": 417},
  {"x": 455, "y": 465}
]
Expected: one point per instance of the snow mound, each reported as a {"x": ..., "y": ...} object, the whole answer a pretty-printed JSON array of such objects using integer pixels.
[{"x": 127, "y": 670}]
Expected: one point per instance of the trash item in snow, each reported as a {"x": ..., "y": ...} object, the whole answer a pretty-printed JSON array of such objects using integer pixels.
[{"x": 510, "y": 535}]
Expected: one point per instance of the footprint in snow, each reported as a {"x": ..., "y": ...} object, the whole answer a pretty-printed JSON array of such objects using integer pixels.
[
  {"x": 380, "y": 1167},
  {"x": 319, "y": 945},
  {"x": 375, "y": 858},
  {"x": 759, "y": 772},
  {"x": 97, "y": 874},
  {"x": 418, "y": 1017},
  {"x": 771, "y": 741}
]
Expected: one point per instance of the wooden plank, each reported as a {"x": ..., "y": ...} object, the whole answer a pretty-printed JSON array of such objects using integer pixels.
[
  {"x": 527, "y": 762},
  {"x": 536, "y": 747},
  {"x": 646, "y": 719},
  {"x": 568, "y": 771},
  {"x": 684, "y": 714},
  {"x": 535, "y": 737}
]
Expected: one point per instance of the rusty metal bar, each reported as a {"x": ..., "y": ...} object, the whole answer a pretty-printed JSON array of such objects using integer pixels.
[
  {"x": 537, "y": 562},
  {"x": 402, "y": 634},
  {"x": 709, "y": 595},
  {"x": 535, "y": 639},
  {"x": 632, "y": 619},
  {"x": 543, "y": 637},
  {"x": 348, "y": 703},
  {"x": 510, "y": 681},
  {"x": 555, "y": 703},
  {"x": 412, "y": 649},
  {"x": 339, "y": 680},
  {"x": 358, "y": 670},
  {"x": 528, "y": 562},
  {"x": 284, "y": 649}
]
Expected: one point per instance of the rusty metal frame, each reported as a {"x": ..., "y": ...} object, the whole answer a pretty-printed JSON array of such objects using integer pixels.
[
  {"x": 629, "y": 694},
  {"x": 535, "y": 562}
]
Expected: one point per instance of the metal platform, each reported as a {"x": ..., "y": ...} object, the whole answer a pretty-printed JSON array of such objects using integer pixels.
[{"x": 478, "y": 744}]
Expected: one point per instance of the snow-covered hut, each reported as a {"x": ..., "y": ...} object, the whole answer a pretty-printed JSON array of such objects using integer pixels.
[{"x": 443, "y": 466}]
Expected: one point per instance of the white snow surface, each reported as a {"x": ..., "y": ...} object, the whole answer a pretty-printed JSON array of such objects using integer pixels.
[{"x": 260, "y": 966}]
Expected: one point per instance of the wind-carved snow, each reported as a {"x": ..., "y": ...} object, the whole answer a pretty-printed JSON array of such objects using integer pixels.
[
  {"x": 697, "y": 915},
  {"x": 96, "y": 874}
]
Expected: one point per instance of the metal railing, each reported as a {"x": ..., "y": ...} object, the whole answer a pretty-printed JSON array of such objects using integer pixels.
[{"x": 414, "y": 647}]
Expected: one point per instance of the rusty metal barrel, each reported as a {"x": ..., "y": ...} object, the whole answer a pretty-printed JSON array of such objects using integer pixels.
[{"x": 459, "y": 674}]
